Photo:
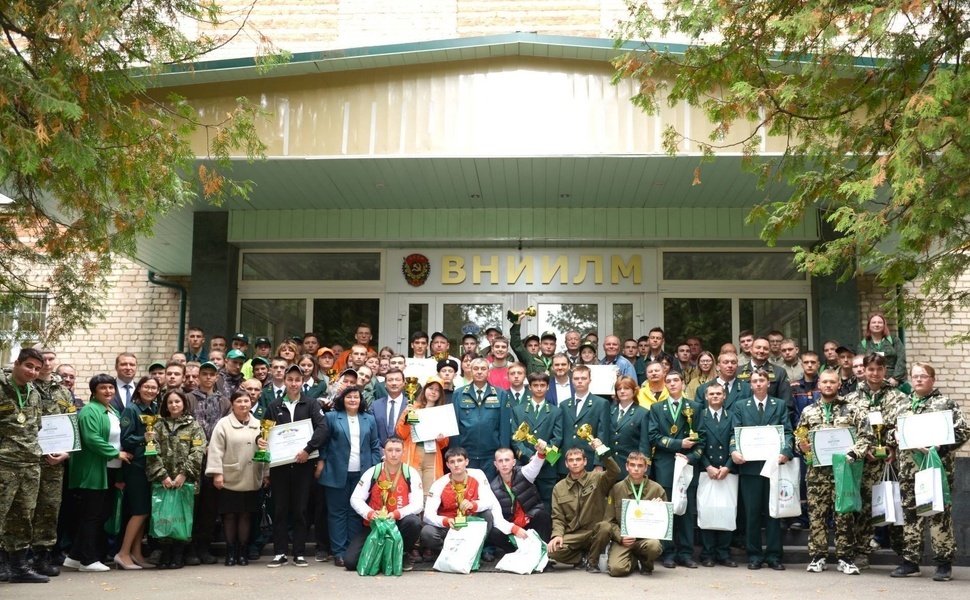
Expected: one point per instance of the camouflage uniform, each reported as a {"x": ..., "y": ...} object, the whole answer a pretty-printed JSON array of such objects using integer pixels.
[
  {"x": 820, "y": 483},
  {"x": 885, "y": 400},
  {"x": 181, "y": 448},
  {"x": 20, "y": 458},
  {"x": 55, "y": 400},
  {"x": 907, "y": 540}
]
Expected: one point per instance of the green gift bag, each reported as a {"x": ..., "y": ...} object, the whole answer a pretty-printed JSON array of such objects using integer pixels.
[
  {"x": 372, "y": 554},
  {"x": 113, "y": 525},
  {"x": 172, "y": 512},
  {"x": 848, "y": 480}
]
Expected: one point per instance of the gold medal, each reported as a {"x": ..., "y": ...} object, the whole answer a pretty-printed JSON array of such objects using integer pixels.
[
  {"x": 673, "y": 429},
  {"x": 21, "y": 418}
]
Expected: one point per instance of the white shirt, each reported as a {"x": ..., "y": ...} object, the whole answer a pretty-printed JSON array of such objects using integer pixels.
[
  {"x": 358, "y": 500},
  {"x": 579, "y": 404},
  {"x": 726, "y": 384},
  {"x": 290, "y": 407},
  {"x": 125, "y": 396},
  {"x": 393, "y": 410},
  {"x": 521, "y": 393},
  {"x": 564, "y": 390},
  {"x": 353, "y": 423},
  {"x": 114, "y": 436}
]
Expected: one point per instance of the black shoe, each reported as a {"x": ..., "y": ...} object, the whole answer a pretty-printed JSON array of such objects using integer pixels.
[
  {"x": 20, "y": 571},
  {"x": 687, "y": 562},
  {"x": 415, "y": 556},
  {"x": 205, "y": 557},
  {"x": 906, "y": 569},
  {"x": 583, "y": 562},
  {"x": 42, "y": 563},
  {"x": 277, "y": 561},
  {"x": 727, "y": 562},
  {"x": 322, "y": 555},
  {"x": 407, "y": 563},
  {"x": 155, "y": 557},
  {"x": 178, "y": 556},
  {"x": 4, "y": 566},
  {"x": 776, "y": 565},
  {"x": 338, "y": 561},
  {"x": 669, "y": 563},
  {"x": 252, "y": 553},
  {"x": 230, "y": 555},
  {"x": 708, "y": 562},
  {"x": 646, "y": 569},
  {"x": 241, "y": 559},
  {"x": 593, "y": 568},
  {"x": 488, "y": 556},
  {"x": 189, "y": 556},
  {"x": 299, "y": 561},
  {"x": 164, "y": 557},
  {"x": 754, "y": 565},
  {"x": 944, "y": 572},
  {"x": 798, "y": 525}
]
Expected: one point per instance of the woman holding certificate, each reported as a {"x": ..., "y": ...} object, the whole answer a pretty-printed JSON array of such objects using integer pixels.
[
  {"x": 350, "y": 448},
  {"x": 424, "y": 457},
  {"x": 908, "y": 543}
]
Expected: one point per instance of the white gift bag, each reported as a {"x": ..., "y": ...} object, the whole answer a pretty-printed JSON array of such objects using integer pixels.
[
  {"x": 898, "y": 505},
  {"x": 603, "y": 562},
  {"x": 529, "y": 557},
  {"x": 683, "y": 475},
  {"x": 784, "y": 496},
  {"x": 717, "y": 502},
  {"x": 883, "y": 509},
  {"x": 462, "y": 548},
  {"x": 929, "y": 492}
]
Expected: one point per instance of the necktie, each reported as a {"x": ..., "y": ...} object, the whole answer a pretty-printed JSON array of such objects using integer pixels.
[
  {"x": 479, "y": 396},
  {"x": 674, "y": 406},
  {"x": 306, "y": 388},
  {"x": 517, "y": 397},
  {"x": 390, "y": 412},
  {"x": 717, "y": 417},
  {"x": 579, "y": 407},
  {"x": 761, "y": 409},
  {"x": 127, "y": 394},
  {"x": 279, "y": 394}
]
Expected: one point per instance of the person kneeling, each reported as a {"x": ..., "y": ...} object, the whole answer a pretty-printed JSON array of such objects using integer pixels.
[
  {"x": 625, "y": 550},
  {"x": 518, "y": 500}
]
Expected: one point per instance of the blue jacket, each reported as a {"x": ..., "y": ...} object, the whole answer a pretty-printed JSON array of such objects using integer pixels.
[
  {"x": 385, "y": 428},
  {"x": 551, "y": 395},
  {"x": 335, "y": 451},
  {"x": 482, "y": 428}
]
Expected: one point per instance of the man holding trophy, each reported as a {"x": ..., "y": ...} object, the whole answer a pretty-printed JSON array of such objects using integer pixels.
[
  {"x": 541, "y": 421},
  {"x": 517, "y": 498}
]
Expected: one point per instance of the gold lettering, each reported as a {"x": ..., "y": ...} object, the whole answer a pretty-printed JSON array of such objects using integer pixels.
[
  {"x": 452, "y": 270},
  {"x": 584, "y": 260},
  {"x": 549, "y": 271},
  {"x": 516, "y": 271},
  {"x": 633, "y": 268},
  {"x": 491, "y": 268}
]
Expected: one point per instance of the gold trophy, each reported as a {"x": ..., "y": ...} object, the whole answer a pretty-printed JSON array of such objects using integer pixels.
[
  {"x": 529, "y": 312},
  {"x": 150, "y": 448},
  {"x": 332, "y": 375},
  {"x": 411, "y": 388},
  {"x": 440, "y": 356},
  {"x": 879, "y": 451},
  {"x": 385, "y": 487},
  {"x": 689, "y": 413},
  {"x": 262, "y": 456},
  {"x": 801, "y": 435},
  {"x": 586, "y": 432},
  {"x": 522, "y": 434},
  {"x": 460, "y": 519}
]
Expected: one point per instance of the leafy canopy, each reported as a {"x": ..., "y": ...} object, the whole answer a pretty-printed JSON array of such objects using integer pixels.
[
  {"x": 89, "y": 157},
  {"x": 872, "y": 99}
]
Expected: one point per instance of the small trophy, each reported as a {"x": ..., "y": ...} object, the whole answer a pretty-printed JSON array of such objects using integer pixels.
[
  {"x": 689, "y": 413},
  {"x": 411, "y": 388},
  {"x": 440, "y": 356},
  {"x": 586, "y": 432},
  {"x": 332, "y": 375},
  {"x": 150, "y": 448},
  {"x": 262, "y": 456},
  {"x": 801, "y": 435},
  {"x": 460, "y": 519},
  {"x": 879, "y": 451},
  {"x": 529, "y": 312},
  {"x": 385, "y": 487},
  {"x": 522, "y": 435}
]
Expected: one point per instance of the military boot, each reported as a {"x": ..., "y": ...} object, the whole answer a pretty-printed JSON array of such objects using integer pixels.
[
  {"x": 20, "y": 571},
  {"x": 42, "y": 563},
  {"x": 4, "y": 566}
]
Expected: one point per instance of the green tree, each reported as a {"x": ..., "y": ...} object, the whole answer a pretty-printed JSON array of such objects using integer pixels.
[
  {"x": 873, "y": 101},
  {"x": 89, "y": 157}
]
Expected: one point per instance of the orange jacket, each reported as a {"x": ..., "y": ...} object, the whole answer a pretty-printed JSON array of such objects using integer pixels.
[{"x": 411, "y": 455}]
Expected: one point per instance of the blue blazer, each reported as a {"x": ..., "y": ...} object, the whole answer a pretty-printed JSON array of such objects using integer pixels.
[
  {"x": 386, "y": 429},
  {"x": 335, "y": 451},
  {"x": 551, "y": 394}
]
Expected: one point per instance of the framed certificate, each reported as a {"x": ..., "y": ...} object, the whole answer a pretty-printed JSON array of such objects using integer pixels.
[
  {"x": 828, "y": 442},
  {"x": 759, "y": 443},
  {"x": 602, "y": 379},
  {"x": 287, "y": 439},
  {"x": 647, "y": 519},
  {"x": 59, "y": 433},
  {"x": 434, "y": 421},
  {"x": 925, "y": 430}
]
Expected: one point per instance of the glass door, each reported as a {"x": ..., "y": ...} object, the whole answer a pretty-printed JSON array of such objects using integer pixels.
[
  {"x": 620, "y": 315},
  {"x": 451, "y": 314}
]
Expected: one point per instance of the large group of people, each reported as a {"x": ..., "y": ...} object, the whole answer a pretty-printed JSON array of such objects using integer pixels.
[{"x": 535, "y": 450}]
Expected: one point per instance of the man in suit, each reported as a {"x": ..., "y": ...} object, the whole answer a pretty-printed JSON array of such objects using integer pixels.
[
  {"x": 126, "y": 365},
  {"x": 735, "y": 390},
  {"x": 716, "y": 426},
  {"x": 670, "y": 437},
  {"x": 387, "y": 409},
  {"x": 583, "y": 408},
  {"x": 778, "y": 384},
  {"x": 757, "y": 411},
  {"x": 560, "y": 384},
  {"x": 628, "y": 424},
  {"x": 545, "y": 423},
  {"x": 484, "y": 415}
]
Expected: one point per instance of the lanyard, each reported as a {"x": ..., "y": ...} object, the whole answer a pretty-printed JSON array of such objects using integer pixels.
[
  {"x": 509, "y": 490},
  {"x": 637, "y": 492},
  {"x": 916, "y": 402},
  {"x": 21, "y": 402},
  {"x": 827, "y": 409},
  {"x": 680, "y": 406}
]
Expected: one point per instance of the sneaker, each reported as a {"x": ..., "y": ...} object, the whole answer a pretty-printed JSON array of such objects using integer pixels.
[
  {"x": 848, "y": 567},
  {"x": 72, "y": 563},
  {"x": 95, "y": 567},
  {"x": 798, "y": 525},
  {"x": 818, "y": 565},
  {"x": 862, "y": 561},
  {"x": 299, "y": 561},
  {"x": 407, "y": 564},
  {"x": 322, "y": 556},
  {"x": 278, "y": 561},
  {"x": 906, "y": 569},
  {"x": 944, "y": 572}
]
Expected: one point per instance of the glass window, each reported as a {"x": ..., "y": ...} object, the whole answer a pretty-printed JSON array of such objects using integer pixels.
[
  {"x": 336, "y": 320},
  {"x": 562, "y": 318},
  {"x": 706, "y": 318},
  {"x": 722, "y": 266},
  {"x": 417, "y": 319},
  {"x": 275, "y": 319},
  {"x": 457, "y": 316},
  {"x": 311, "y": 266},
  {"x": 623, "y": 321},
  {"x": 790, "y": 317},
  {"x": 21, "y": 319}
]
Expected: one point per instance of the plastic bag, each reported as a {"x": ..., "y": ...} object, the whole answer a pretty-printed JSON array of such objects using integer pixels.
[
  {"x": 717, "y": 502},
  {"x": 931, "y": 497},
  {"x": 935, "y": 462},
  {"x": 462, "y": 548},
  {"x": 172, "y": 511},
  {"x": 113, "y": 525},
  {"x": 372, "y": 554},
  {"x": 683, "y": 475},
  {"x": 883, "y": 500},
  {"x": 784, "y": 493},
  {"x": 848, "y": 480},
  {"x": 529, "y": 557}
]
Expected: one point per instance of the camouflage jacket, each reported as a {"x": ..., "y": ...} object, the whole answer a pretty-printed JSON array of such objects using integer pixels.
[
  {"x": 55, "y": 399},
  {"x": 19, "y": 424},
  {"x": 841, "y": 414},
  {"x": 181, "y": 448},
  {"x": 884, "y": 401},
  {"x": 934, "y": 402}
]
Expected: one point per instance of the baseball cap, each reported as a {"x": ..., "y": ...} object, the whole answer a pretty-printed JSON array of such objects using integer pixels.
[
  {"x": 242, "y": 337},
  {"x": 235, "y": 355}
]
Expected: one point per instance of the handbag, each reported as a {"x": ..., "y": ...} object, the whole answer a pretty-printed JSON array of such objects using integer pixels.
[
  {"x": 172, "y": 510},
  {"x": 848, "y": 479}
]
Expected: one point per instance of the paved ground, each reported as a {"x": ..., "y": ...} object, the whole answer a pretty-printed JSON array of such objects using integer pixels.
[{"x": 326, "y": 581}]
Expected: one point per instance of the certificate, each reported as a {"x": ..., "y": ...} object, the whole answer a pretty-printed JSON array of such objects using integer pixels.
[
  {"x": 647, "y": 519},
  {"x": 59, "y": 433},
  {"x": 828, "y": 442},
  {"x": 925, "y": 430},
  {"x": 759, "y": 443},
  {"x": 287, "y": 439},
  {"x": 434, "y": 421},
  {"x": 602, "y": 379},
  {"x": 422, "y": 368}
]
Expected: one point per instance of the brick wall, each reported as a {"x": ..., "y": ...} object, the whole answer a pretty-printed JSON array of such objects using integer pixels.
[{"x": 140, "y": 317}]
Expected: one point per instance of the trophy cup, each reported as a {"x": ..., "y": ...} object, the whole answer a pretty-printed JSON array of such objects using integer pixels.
[
  {"x": 262, "y": 456},
  {"x": 385, "y": 487},
  {"x": 689, "y": 413},
  {"x": 460, "y": 519},
  {"x": 529, "y": 312},
  {"x": 411, "y": 388},
  {"x": 879, "y": 451},
  {"x": 801, "y": 435},
  {"x": 332, "y": 375},
  {"x": 522, "y": 435},
  {"x": 150, "y": 448},
  {"x": 586, "y": 432}
]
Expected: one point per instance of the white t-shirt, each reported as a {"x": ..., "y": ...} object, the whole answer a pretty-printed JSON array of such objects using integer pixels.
[{"x": 114, "y": 438}]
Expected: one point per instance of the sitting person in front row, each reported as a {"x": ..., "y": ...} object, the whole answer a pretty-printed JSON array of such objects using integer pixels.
[{"x": 625, "y": 550}]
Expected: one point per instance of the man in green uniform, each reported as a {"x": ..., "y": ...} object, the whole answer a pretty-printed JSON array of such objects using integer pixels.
[
  {"x": 715, "y": 425},
  {"x": 625, "y": 550},
  {"x": 534, "y": 363},
  {"x": 545, "y": 423},
  {"x": 583, "y": 408},
  {"x": 20, "y": 458}
]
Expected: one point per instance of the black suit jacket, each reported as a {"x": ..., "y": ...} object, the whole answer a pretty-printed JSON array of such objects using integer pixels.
[{"x": 306, "y": 408}]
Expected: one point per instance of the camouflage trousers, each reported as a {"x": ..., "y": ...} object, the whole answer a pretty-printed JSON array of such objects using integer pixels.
[
  {"x": 820, "y": 484},
  {"x": 48, "y": 506},
  {"x": 908, "y": 541},
  {"x": 872, "y": 473},
  {"x": 18, "y": 496}
]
